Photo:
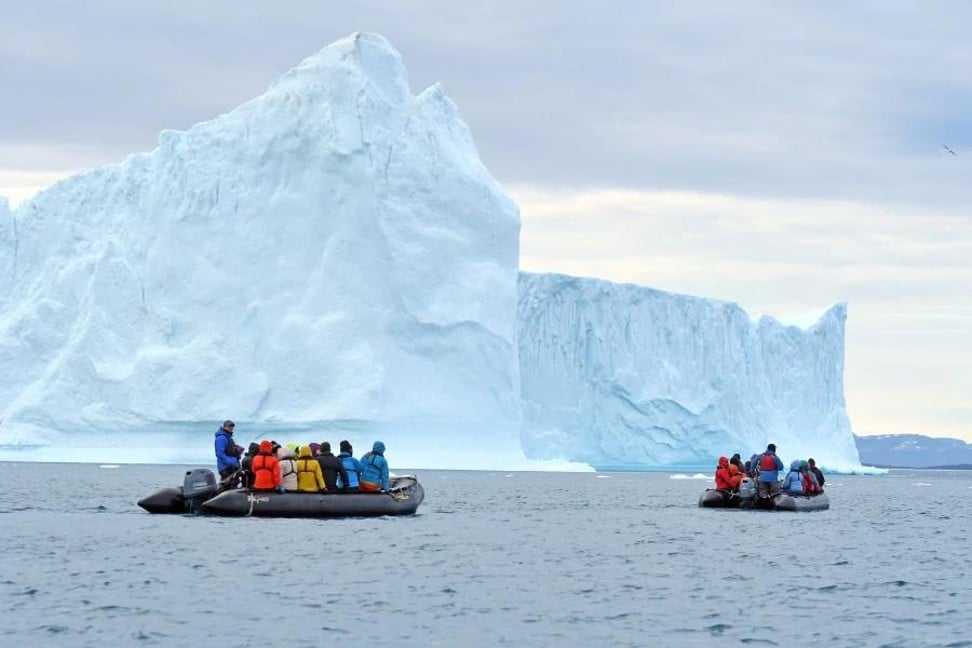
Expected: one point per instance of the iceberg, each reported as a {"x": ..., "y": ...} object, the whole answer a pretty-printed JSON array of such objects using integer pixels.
[
  {"x": 624, "y": 377},
  {"x": 332, "y": 260}
]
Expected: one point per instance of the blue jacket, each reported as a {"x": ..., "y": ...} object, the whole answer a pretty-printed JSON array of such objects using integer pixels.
[
  {"x": 374, "y": 467},
  {"x": 769, "y": 475},
  {"x": 224, "y": 460},
  {"x": 793, "y": 483},
  {"x": 352, "y": 467}
]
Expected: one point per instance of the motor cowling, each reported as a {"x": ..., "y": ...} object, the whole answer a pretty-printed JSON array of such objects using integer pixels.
[
  {"x": 199, "y": 485},
  {"x": 747, "y": 489}
]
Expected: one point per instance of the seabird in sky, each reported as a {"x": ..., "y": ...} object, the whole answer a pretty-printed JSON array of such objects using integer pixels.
[{"x": 949, "y": 150}]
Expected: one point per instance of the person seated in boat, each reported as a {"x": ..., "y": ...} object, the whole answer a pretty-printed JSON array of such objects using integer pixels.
[
  {"x": 332, "y": 467},
  {"x": 266, "y": 469},
  {"x": 735, "y": 477},
  {"x": 310, "y": 478},
  {"x": 748, "y": 468},
  {"x": 816, "y": 473},
  {"x": 246, "y": 464},
  {"x": 288, "y": 467},
  {"x": 374, "y": 470},
  {"x": 722, "y": 474},
  {"x": 734, "y": 460},
  {"x": 768, "y": 467},
  {"x": 351, "y": 466},
  {"x": 227, "y": 452},
  {"x": 810, "y": 485},
  {"x": 793, "y": 482}
]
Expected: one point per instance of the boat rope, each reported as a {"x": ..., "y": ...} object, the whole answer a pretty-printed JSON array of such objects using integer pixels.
[{"x": 251, "y": 499}]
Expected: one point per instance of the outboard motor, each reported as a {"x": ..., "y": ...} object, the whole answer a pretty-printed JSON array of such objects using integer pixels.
[
  {"x": 198, "y": 486},
  {"x": 747, "y": 493}
]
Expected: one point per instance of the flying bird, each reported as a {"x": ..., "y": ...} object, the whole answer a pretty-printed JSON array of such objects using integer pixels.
[{"x": 950, "y": 150}]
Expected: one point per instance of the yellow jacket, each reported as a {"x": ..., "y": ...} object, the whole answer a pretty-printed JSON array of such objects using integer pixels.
[{"x": 310, "y": 479}]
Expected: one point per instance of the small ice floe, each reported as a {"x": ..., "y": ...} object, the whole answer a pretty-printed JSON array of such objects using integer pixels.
[
  {"x": 921, "y": 484},
  {"x": 609, "y": 477},
  {"x": 508, "y": 475},
  {"x": 695, "y": 476},
  {"x": 108, "y": 466}
]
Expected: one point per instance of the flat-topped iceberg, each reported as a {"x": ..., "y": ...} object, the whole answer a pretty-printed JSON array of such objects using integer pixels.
[{"x": 622, "y": 377}]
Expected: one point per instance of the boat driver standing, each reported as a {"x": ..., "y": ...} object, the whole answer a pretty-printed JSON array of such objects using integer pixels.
[
  {"x": 227, "y": 452},
  {"x": 769, "y": 466}
]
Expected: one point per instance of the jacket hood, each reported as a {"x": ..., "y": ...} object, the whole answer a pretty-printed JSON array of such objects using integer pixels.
[
  {"x": 305, "y": 452},
  {"x": 795, "y": 465},
  {"x": 265, "y": 447},
  {"x": 285, "y": 452},
  {"x": 378, "y": 448},
  {"x": 723, "y": 462}
]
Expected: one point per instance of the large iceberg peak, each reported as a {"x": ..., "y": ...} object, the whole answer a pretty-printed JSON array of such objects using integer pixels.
[
  {"x": 360, "y": 66},
  {"x": 332, "y": 250}
]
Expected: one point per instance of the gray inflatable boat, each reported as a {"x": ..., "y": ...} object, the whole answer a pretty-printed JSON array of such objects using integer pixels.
[
  {"x": 202, "y": 493},
  {"x": 747, "y": 498}
]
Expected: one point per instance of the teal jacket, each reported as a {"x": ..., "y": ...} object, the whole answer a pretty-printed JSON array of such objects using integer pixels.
[{"x": 374, "y": 467}]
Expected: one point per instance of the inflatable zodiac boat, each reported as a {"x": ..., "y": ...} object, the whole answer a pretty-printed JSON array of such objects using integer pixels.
[
  {"x": 747, "y": 498},
  {"x": 201, "y": 493}
]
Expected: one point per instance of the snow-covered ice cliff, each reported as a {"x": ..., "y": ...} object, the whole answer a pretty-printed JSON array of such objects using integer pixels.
[{"x": 332, "y": 250}]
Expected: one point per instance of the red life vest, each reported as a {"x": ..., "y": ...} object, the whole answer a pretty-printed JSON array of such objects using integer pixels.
[
  {"x": 767, "y": 463},
  {"x": 809, "y": 488}
]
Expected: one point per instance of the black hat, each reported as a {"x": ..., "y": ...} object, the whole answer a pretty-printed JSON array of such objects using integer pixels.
[
  {"x": 325, "y": 446},
  {"x": 228, "y": 425},
  {"x": 771, "y": 447},
  {"x": 345, "y": 446}
]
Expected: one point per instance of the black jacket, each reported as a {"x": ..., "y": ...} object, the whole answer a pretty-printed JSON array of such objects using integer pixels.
[
  {"x": 818, "y": 475},
  {"x": 331, "y": 466}
]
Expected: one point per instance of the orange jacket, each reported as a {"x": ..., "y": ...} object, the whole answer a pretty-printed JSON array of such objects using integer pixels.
[
  {"x": 735, "y": 477},
  {"x": 266, "y": 468},
  {"x": 722, "y": 473}
]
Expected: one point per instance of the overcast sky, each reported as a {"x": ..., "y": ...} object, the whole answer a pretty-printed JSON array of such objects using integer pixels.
[{"x": 783, "y": 155}]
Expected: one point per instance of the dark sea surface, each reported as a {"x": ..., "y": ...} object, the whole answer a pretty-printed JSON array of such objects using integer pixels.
[{"x": 537, "y": 559}]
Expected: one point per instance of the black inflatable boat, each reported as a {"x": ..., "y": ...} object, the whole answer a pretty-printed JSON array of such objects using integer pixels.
[{"x": 201, "y": 493}]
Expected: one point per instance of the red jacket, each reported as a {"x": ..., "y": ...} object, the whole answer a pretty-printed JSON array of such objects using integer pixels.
[
  {"x": 722, "y": 474},
  {"x": 266, "y": 468}
]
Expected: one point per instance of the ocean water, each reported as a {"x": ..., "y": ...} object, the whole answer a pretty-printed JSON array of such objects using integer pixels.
[{"x": 520, "y": 559}]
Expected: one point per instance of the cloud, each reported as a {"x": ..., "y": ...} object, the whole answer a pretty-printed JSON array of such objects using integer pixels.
[{"x": 797, "y": 100}]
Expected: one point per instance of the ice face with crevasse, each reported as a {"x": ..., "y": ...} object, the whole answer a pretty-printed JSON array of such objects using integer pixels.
[{"x": 331, "y": 260}]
